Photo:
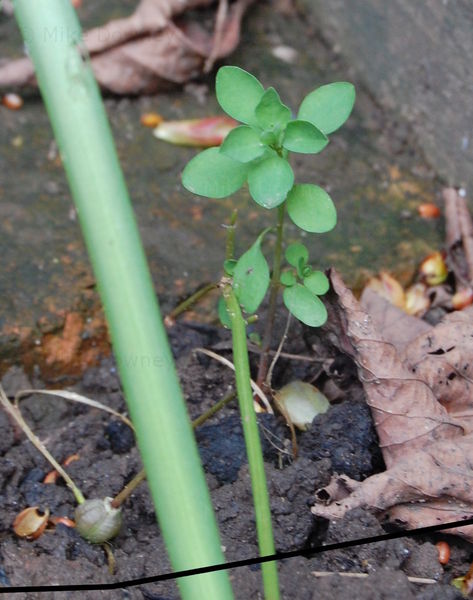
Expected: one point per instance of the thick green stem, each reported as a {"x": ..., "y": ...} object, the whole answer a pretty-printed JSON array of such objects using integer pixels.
[
  {"x": 53, "y": 37},
  {"x": 273, "y": 300},
  {"x": 253, "y": 444}
]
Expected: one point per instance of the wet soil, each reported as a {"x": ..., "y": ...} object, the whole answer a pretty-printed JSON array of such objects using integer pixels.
[
  {"x": 49, "y": 311},
  {"x": 341, "y": 440}
]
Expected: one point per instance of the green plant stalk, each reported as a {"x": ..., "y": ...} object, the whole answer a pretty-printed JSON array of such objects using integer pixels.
[
  {"x": 53, "y": 37},
  {"x": 253, "y": 444},
  {"x": 188, "y": 302},
  {"x": 273, "y": 299},
  {"x": 230, "y": 241}
]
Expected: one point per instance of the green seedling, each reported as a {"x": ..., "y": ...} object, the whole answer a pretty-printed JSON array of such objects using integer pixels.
[{"x": 256, "y": 153}]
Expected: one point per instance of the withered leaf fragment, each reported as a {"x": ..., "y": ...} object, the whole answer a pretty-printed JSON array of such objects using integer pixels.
[
  {"x": 427, "y": 446},
  {"x": 156, "y": 46}
]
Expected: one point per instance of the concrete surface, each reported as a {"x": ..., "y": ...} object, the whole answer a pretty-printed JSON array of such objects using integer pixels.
[{"x": 415, "y": 56}]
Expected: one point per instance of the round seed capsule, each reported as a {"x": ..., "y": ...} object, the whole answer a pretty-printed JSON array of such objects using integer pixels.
[{"x": 97, "y": 520}]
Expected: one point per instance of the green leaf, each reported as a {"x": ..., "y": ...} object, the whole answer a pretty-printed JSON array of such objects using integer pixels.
[
  {"x": 223, "y": 314},
  {"x": 229, "y": 266},
  {"x": 288, "y": 278},
  {"x": 270, "y": 180},
  {"x": 242, "y": 144},
  {"x": 238, "y": 93},
  {"x": 317, "y": 282},
  {"x": 271, "y": 112},
  {"x": 295, "y": 253},
  {"x": 304, "y": 305},
  {"x": 213, "y": 174},
  {"x": 329, "y": 106},
  {"x": 255, "y": 338},
  {"x": 311, "y": 208},
  {"x": 306, "y": 271},
  {"x": 302, "y": 136},
  {"x": 251, "y": 277}
]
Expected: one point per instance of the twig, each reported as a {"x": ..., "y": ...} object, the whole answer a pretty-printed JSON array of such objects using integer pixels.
[
  {"x": 220, "y": 21},
  {"x": 277, "y": 354},
  {"x": 268, "y": 435},
  {"x": 420, "y": 580},
  {"x": 459, "y": 235},
  {"x": 256, "y": 389},
  {"x": 256, "y": 350},
  {"x": 273, "y": 298},
  {"x": 73, "y": 397},
  {"x": 15, "y": 413}
]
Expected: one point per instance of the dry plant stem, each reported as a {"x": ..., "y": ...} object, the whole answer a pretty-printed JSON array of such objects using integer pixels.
[
  {"x": 256, "y": 389},
  {"x": 420, "y": 580},
  {"x": 73, "y": 397},
  {"x": 110, "y": 557},
  {"x": 137, "y": 479},
  {"x": 220, "y": 19},
  {"x": 16, "y": 415},
  {"x": 300, "y": 357},
  {"x": 128, "y": 489},
  {"x": 459, "y": 235},
  {"x": 277, "y": 354},
  {"x": 273, "y": 298}
]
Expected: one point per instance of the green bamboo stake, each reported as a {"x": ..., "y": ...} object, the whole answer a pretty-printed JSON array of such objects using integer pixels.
[{"x": 53, "y": 37}]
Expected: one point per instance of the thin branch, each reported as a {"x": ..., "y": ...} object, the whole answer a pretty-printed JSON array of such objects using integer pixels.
[
  {"x": 256, "y": 389},
  {"x": 277, "y": 354}
]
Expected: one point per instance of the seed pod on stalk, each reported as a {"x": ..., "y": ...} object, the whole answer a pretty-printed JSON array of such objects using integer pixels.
[{"x": 97, "y": 520}]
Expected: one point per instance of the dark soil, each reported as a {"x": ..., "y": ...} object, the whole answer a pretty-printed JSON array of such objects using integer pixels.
[{"x": 342, "y": 440}]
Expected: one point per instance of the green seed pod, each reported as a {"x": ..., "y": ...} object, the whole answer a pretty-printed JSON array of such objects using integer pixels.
[{"x": 97, "y": 521}]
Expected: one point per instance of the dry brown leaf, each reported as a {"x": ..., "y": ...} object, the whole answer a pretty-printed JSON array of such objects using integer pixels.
[
  {"x": 443, "y": 358},
  {"x": 397, "y": 326},
  {"x": 429, "y": 476},
  {"x": 150, "y": 49}
]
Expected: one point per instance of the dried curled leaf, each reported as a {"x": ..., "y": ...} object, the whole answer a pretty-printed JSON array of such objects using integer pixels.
[
  {"x": 147, "y": 51},
  {"x": 388, "y": 287},
  {"x": 427, "y": 448}
]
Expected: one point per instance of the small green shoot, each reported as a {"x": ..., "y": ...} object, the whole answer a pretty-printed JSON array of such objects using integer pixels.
[{"x": 256, "y": 153}]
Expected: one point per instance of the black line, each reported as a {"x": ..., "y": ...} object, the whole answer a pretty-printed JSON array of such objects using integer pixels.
[{"x": 307, "y": 553}]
